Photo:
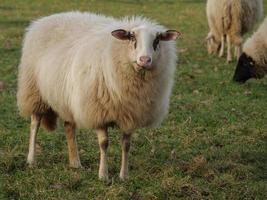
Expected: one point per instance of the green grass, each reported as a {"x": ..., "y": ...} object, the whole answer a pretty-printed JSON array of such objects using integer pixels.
[{"x": 213, "y": 145}]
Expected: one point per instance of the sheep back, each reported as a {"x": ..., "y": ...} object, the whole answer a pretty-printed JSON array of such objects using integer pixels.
[{"x": 256, "y": 45}]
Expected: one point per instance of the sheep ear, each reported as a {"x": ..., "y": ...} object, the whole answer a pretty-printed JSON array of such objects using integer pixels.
[
  {"x": 120, "y": 34},
  {"x": 169, "y": 35}
]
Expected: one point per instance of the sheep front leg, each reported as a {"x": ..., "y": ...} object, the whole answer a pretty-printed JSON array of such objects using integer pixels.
[
  {"x": 238, "y": 51},
  {"x": 222, "y": 46},
  {"x": 102, "y": 136},
  {"x": 35, "y": 124},
  {"x": 74, "y": 159},
  {"x": 126, "y": 143},
  {"x": 229, "y": 48}
]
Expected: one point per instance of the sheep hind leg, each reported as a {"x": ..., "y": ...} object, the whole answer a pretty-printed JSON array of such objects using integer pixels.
[
  {"x": 222, "y": 46},
  {"x": 35, "y": 124},
  {"x": 126, "y": 143},
  {"x": 229, "y": 48},
  {"x": 74, "y": 158},
  {"x": 102, "y": 136}
]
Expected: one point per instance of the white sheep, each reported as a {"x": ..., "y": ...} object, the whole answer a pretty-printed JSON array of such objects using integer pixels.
[
  {"x": 253, "y": 61},
  {"x": 95, "y": 72},
  {"x": 230, "y": 20}
]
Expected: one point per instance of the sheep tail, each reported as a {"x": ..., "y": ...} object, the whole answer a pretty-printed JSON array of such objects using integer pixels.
[{"x": 49, "y": 120}]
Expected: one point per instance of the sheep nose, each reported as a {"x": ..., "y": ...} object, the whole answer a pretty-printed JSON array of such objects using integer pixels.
[{"x": 145, "y": 61}]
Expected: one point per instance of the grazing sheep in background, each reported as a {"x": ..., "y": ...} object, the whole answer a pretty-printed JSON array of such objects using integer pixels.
[
  {"x": 253, "y": 61},
  {"x": 230, "y": 20},
  {"x": 95, "y": 72}
]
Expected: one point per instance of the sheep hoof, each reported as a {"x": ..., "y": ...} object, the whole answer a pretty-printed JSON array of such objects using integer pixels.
[
  {"x": 76, "y": 165},
  {"x": 30, "y": 164},
  {"x": 124, "y": 177},
  {"x": 103, "y": 178}
]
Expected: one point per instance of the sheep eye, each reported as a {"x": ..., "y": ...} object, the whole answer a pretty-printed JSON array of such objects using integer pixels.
[
  {"x": 131, "y": 36},
  {"x": 133, "y": 39},
  {"x": 155, "y": 43}
]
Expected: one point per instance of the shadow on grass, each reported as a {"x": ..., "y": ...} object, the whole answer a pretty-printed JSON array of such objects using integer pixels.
[
  {"x": 259, "y": 162},
  {"x": 6, "y": 7},
  {"x": 140, "y": 2},
  {"x": 12, "y": 164},
  {"x": 193, "y": 1},
  {"x": 8, "y": 50},
  {"x": 13, "y": 23}
]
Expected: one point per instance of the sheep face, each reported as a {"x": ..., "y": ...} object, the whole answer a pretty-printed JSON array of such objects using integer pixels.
[
  {"x": 246, "y": 69},
  {"x": 213, "y": 45},
  {"x": 144, "y": 45}
]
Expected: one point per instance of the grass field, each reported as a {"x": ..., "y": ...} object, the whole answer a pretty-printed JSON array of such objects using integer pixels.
[{"x": 213, "y": 145}]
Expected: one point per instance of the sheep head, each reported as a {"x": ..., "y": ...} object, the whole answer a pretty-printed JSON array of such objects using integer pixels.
[
  {"x": 213, "y": 45},
  {"x": 247, "y": 68},
  {"x": 144, "y": 44}
]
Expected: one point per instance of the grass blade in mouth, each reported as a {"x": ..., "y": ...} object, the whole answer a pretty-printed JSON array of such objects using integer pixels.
[{"x": 142, "y": 73}]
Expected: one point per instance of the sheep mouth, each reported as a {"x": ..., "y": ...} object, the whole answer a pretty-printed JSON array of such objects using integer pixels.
[{"x": 139, "y": 68}]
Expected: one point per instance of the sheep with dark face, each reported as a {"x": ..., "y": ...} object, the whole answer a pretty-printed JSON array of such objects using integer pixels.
[
  {"x": 253, "y": 61},
  {"x": 229, "y": 20},
  {"x": 95, "y": 72}
]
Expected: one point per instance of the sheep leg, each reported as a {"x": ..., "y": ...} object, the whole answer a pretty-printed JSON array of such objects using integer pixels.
[
  {"x": 222, "y": 46},
  {"x": 35, "y": 124},
  {"x": 229, "y": 46},
  {"x": 238, "y": 51},
  {"x": 74, "y": 159},
  {"x": 126, "y": 143},
  {"x": 102, "y": 136}
]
